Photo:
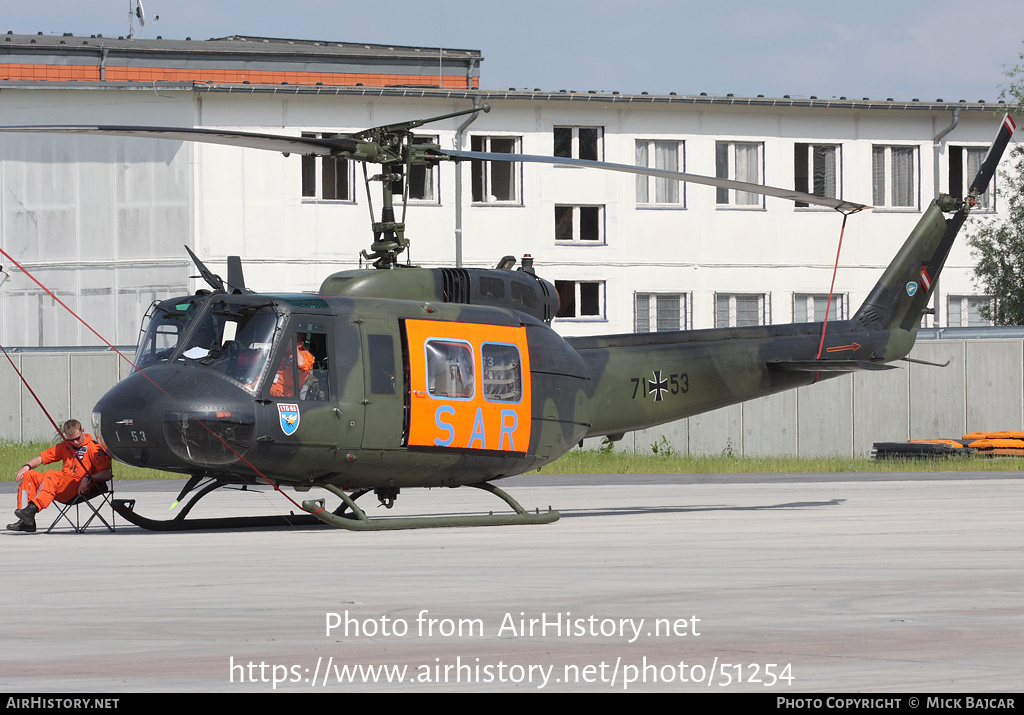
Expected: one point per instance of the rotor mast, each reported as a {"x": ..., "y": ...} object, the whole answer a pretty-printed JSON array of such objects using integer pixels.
[{"x": 392, "y": 147}]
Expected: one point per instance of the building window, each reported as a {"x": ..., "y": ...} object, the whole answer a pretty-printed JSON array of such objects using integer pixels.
[
  {"x": 968, "y": 311},
  {"x": 658, "y": 312},
  {"x": 578, "y": 142},
  {"x": 495, "y": 181},
  {"x": 659, "y": 155},
  {"x": 816, "y": 170},
  {"x": 326, "y": 178},
  {"x": 894, "y": 176},
  {"x": 579, "y": 224},
  {"x": 964, "y": 163},
  {"x": 811, "y": 307},
  {"x": 736, "y": 310},
  {"x": 739, "y": 162},
  {"x": 580, "y": 299},
  {"x": 422, "y": 179}
]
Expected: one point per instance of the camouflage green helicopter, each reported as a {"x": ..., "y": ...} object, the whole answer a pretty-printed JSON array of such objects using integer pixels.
[{"x": 446, "y": 377}]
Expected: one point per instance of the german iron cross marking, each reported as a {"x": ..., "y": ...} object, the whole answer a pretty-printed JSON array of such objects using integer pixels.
[{"x": 658, "y": 386}]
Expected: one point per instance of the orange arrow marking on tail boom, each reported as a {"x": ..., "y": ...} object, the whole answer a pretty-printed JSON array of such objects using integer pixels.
[{"x": 843, "y": 348}]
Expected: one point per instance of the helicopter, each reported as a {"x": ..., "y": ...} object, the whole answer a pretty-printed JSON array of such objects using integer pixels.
[{"x": 407, "y": 377}]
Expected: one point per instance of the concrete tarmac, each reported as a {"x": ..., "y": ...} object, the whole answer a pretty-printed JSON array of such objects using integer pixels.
[{"x": 712, "y": 583}]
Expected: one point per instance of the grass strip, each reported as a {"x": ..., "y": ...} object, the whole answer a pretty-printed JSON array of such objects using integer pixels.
[{"x": 578, "y": 461}]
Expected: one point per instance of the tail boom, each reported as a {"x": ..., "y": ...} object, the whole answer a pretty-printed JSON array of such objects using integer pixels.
[{"x": 638, "y": 381}]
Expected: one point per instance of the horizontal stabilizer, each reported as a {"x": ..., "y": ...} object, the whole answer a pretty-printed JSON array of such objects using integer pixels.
[{"x": 828, "y": 365}]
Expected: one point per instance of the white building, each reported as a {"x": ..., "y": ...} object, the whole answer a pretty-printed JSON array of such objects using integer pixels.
[{"x": 102, "y": 221}]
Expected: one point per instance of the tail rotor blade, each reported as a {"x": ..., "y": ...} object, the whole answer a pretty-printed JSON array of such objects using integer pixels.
[{"x": 995, "y": 153}]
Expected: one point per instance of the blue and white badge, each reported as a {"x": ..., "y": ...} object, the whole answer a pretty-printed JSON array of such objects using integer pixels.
[
  {"x": 289, "y": 417},
  {"x": 911, "y": 288}
]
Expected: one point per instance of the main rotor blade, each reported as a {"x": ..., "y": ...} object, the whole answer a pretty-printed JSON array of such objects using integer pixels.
[
  {"x": 995, "y": 153},
  {"x": 841, "y": 205},
  {"x": 248, "y": 140}
]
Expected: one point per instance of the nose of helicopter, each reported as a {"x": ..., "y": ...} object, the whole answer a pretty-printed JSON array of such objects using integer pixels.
[{"x": 176, "y": 417}]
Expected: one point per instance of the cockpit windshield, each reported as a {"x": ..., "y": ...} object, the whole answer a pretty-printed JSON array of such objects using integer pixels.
[{"x": 232, "y": 337}]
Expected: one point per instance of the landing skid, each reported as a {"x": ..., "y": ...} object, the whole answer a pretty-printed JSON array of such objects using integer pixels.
[
  {"x": 126, "y": 509},
  {"x": 354, "y": 521},
  {"x": 360, "y": 522}
]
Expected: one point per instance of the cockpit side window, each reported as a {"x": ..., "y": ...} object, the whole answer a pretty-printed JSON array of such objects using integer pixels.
[{"x": 302, "y": 372}]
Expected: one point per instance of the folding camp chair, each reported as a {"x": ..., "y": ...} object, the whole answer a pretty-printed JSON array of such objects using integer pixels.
[{"x": 100, "y": 496}]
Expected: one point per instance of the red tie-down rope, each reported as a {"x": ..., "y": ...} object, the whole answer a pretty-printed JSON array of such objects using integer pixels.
[
  {"x": 828, "y": 308},
  {"x": 126, "y": 359}
]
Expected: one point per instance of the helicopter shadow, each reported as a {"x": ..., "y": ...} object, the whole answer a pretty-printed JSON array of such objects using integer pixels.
[
  {"x": 631, "y": 510},
  {"x": 565, "y": 514}
]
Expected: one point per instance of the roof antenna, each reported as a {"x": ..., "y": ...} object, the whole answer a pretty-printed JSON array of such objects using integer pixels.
[{"x": 140, "y": 13}]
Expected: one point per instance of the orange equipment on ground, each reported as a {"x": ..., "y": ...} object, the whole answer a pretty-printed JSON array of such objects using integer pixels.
[{"x": 1003, "y": 443}]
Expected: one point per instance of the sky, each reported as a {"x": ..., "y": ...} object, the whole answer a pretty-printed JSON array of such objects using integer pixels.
[{"x": 900, "y": 49}]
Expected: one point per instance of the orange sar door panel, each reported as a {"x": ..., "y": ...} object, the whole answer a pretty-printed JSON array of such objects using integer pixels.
[{"x": 469, "y": 386}]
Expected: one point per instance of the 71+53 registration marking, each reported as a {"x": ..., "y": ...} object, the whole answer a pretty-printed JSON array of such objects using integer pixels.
[{"x": 674, "y": 384}]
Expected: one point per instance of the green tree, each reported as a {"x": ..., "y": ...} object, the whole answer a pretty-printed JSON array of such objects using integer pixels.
[{"x": 998, "y": 245}]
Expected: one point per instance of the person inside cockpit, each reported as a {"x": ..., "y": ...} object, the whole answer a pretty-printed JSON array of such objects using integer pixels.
[{"x": 284, "y": 381}]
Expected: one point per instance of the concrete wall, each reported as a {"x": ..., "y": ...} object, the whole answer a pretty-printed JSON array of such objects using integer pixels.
[
  {"x": 67, "y": 383},
  {"x": 981, "y": 389}
]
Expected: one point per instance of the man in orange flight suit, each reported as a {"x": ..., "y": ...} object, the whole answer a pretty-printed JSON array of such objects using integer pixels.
[
  {"x": 85, "y": 463},
  {"x": 283, "y": 381}
]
